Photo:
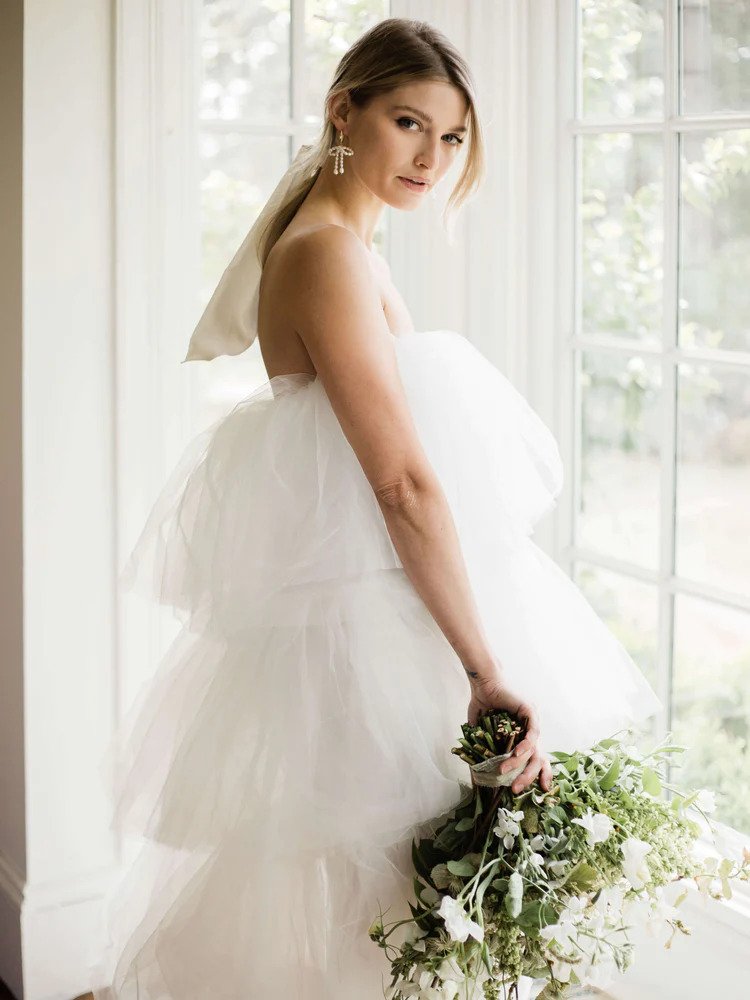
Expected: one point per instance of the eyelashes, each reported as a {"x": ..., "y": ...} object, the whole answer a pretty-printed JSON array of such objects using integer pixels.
[{"x": 452, "y": 134}]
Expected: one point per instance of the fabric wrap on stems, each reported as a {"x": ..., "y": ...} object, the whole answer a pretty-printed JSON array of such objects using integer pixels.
[{"x": 487, "y": 773}]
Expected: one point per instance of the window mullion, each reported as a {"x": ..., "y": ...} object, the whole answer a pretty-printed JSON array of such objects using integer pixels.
[
  {"x": 670, "y": 319},
  {"x": 295, "y": 127}
]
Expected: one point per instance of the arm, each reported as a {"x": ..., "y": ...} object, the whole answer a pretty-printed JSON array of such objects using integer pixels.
[
  {"x": 338, "y": 314},
  {"x": 336, "y": 310}
]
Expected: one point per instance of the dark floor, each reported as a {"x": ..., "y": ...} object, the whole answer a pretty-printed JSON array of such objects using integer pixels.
[{"x": 5, "y": 994}]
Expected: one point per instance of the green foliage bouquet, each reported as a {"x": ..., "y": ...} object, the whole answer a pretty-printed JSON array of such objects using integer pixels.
[{"x": 548, "y": 885}]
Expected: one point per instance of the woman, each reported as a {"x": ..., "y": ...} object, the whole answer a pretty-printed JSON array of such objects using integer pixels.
[{"x": 349, "y": 551}]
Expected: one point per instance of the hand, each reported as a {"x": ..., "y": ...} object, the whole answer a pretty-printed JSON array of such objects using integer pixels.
[{"x": 494, "y": 693}]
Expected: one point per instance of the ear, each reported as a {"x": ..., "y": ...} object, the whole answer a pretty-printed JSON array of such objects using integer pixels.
[{"x": 338, "y": 110}]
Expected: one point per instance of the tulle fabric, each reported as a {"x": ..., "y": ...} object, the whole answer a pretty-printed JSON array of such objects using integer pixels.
[{"x": 296, "y": 736}]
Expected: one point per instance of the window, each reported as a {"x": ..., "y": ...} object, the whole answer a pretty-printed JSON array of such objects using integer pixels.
[
  {"x": 659, "y": 356},
  {"x": 264, "y": 66}
]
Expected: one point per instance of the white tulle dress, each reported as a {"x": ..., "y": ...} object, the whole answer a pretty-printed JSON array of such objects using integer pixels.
[{"x": 297, "y": 733}]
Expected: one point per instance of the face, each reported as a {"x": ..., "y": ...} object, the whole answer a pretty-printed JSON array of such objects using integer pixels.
[{"x": 413, "y": 131}]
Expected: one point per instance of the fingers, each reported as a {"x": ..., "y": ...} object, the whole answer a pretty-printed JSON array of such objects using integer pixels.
[
  {"x": 545, "y": 775},
  {"x": 528, "y": 774},
  {"x": 528, "y": 743},
  {"x": 538, "y": 766},
  {"x": 529, "y": 713}
]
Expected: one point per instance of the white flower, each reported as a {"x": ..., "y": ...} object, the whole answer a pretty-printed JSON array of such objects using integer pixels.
[
  {"x": 563, "y": 933},
  {"x": 458, "y": 924},
  {"x": 574, "y": 908},
  {"x": 636, "y": 910},
  {"x": 598, "y": 826},
  {"x": 610, "y": 897},
  {"x": 661, "y": 914},
  {"x": 449, "y": 969},
  {"x": 507, "y": 825},
  {"x": 706, "y": 800},
  {"x": 634, "y": 865},
  {"x": 537, "y": 843},
  {"x": 557, "y": 867},
  {"x": 450, "y": 989},
  {"x": 600, "y": 974},
  {"x": 536, "y": 859},
  {"x": 561, "y": 970}
]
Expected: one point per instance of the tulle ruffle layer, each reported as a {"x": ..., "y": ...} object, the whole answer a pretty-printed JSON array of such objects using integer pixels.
[{"x": 297, "y": 733}]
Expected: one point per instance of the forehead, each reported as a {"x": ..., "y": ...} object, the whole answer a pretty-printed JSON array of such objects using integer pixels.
[{"x": 441, "y": 101}]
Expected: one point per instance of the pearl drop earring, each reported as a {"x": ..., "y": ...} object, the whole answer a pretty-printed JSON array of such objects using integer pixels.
[{"x": 339, "y": 152}]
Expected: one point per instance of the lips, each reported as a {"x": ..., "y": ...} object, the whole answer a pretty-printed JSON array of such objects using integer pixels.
[{"x": 413, "y": 184}]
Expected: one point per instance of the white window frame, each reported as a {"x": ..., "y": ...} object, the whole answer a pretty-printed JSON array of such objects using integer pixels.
[{"x": 734, "y": 914}]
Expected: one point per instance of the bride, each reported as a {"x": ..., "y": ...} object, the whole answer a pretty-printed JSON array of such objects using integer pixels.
[{"x": 349, "y": 554}]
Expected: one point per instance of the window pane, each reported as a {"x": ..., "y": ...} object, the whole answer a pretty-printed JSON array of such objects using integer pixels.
[
  {"x": 715, "y": 55},
  {"x": 331, "y": 26},
  {"x": 246, "y": 68},
  {"x": 711, "y": 703},
  {"x": 619, "y": 491},
  {"x": 622, "y": 235},
  {"x": 239, "y": 172},
  {"x": 715, "y": 240},
  {"x": 622, "y": 58},
  {"x": 713, "y": 476},
  {"x": 629, "y": 608}
]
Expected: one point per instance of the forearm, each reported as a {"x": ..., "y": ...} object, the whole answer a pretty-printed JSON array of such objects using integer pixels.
[{"x": 421, "y": 526}]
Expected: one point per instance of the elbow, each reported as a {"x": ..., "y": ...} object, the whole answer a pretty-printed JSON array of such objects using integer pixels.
[{"x": 405, "y": 492}]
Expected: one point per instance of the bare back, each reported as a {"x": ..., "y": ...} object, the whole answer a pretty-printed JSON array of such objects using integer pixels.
[{"x": 281, "y": 346}]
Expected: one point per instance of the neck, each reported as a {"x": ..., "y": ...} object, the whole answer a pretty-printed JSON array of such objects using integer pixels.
[{"x": 343, "y": 200}]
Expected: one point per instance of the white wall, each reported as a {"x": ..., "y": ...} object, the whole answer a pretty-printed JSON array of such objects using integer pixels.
[
  {"x": 53, "y": 810},
  {"x": 12, "y": 791}
]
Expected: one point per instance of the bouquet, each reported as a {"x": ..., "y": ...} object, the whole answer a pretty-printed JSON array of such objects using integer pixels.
[{"x": 548, "y": 885}]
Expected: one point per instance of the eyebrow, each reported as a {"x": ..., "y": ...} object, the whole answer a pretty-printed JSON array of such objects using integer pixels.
[{"x": 423, "y": 114}]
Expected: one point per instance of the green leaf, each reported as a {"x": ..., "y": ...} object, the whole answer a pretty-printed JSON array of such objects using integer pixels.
[
  {"x": 440, "y": 876},
  {"x": 416, "y": 858},
  {"x": 558, "y": 813},
  {"x": 583, "y": 876},
  {"x": 571, "y": 764},
  {"x": 541, "y": 973},
  {"x": 651, "y": 781},
  {"x": 482, "y": 887},
  {"x": 609, "y": 779},
  {"x": 467, "y": 823},
  {"x": 462, "y": 867},
  {"x": 536, "y": 915},
  {"x": 512, "y": 905},
  {"x": 486, "y": 957}
]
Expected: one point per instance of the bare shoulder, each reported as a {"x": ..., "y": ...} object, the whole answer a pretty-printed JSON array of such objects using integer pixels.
[
  {"x": 321, "y": 254},
  {"x": 333, "y": 301}
]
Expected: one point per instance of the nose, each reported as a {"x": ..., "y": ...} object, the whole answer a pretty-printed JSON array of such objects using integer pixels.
[{"x": 429, "y": 154}]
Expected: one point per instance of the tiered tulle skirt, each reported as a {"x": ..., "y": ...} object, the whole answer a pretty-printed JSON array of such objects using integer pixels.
[{"x": 297, "y": 733}]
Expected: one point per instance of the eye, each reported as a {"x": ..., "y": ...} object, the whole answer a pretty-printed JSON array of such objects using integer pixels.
[{"x": 451, "y": 135}]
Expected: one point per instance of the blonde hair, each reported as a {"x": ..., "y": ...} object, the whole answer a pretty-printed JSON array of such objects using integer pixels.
[{"x": 394, "y": 52}]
